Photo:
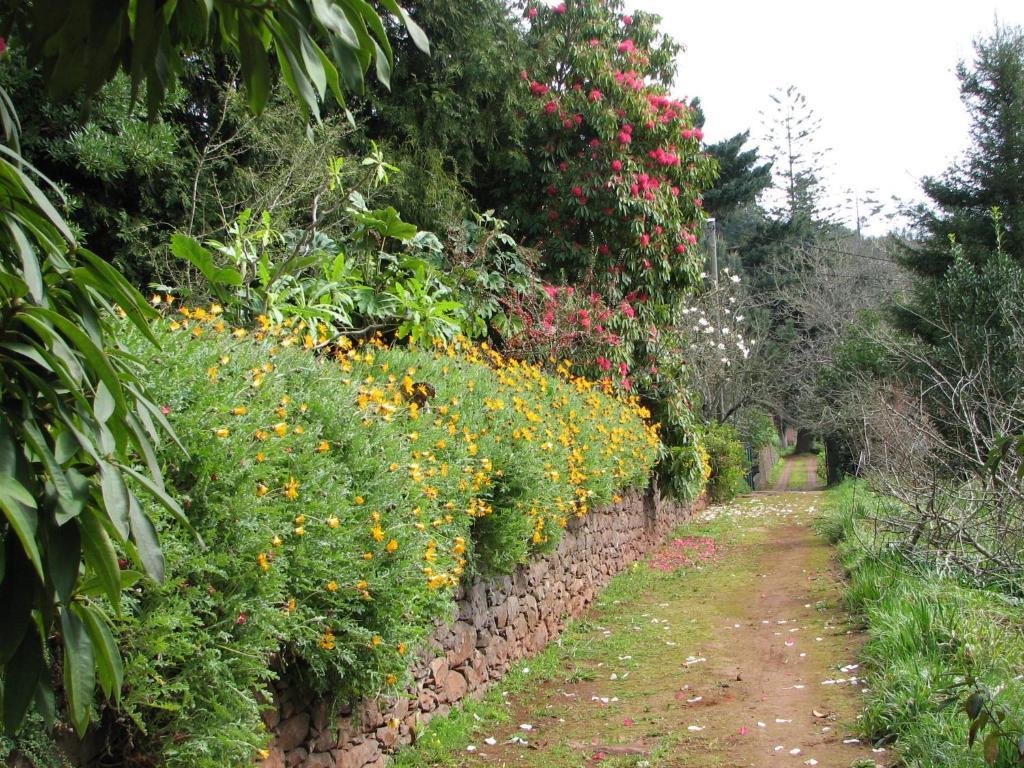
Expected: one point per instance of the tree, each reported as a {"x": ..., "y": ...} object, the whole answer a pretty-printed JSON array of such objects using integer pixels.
[
  {"x": 76, "y": 432},
  {"x": 991, "y": 175},
  {"x": 611, "y": 184},
  {"x": 740, "y": 179},
  {"x": 797, "y": 159}
]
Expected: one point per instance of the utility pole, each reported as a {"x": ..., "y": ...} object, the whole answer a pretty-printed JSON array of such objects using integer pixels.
[{"x": 713, "y": 235}]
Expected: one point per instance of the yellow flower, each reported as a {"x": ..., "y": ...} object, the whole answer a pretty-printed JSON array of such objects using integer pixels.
[
  {"x": 299, "y": 429},
  {"x": 277, "y": 541},
  {"x": 391, "y": 679},
  {"x": 377, "y": 532},
  {"x": 303, "y": 407},
  {"x": 327, "y": 641},
  {"x": 263, "y": 562},
  {"x": 401, "y": 649},
  {"x": 281, "y": 429},
  {"x": 261, "y": 489},
  {"x": 332, "y": 522},
  {"x": 238, "y": 333},
  {"x": 332, "y": 586},
  {"x": 300, "y": 519},
  {"x": 300, "y": 531},
  {"x": 393, "y": 467},
  {"x": 367, "y": 555},
  {"x": 323, "y": 447},
  {"x": 460, "y": 545},
  {"x": 360, "y": 500},
  {"x": 197, "y": 331},
  {"x": 260, "y": 457},
  {"x": 261, "y": 435},
  {"x": 222, "y": 432},
  {"x": 239, "y": 410},
  {"x": 362, "y": 585},
  {"x": 376, "y": 641},
  {"x": 291, "y": 489},
  {"x": 290, "y": 606},
  {"x": 392, "y": 546}
]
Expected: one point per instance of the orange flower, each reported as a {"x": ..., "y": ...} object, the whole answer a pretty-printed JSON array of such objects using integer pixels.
[
  {"x": 222, "y": 432},
  {"x": 392, "y": 546},
  {"x": 239, "y": 410},
  {"x": 377, "y": 532},
  {"x": 263, "y": 562},
  {"x": 332, "y": 586},
  {"x": 281, "y": 429},
  {"x": 291, "y": 489},
  {"x": 323, "y": 447}
]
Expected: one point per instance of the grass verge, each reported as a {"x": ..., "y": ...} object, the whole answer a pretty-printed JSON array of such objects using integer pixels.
[{"x": 938, "y": 647}]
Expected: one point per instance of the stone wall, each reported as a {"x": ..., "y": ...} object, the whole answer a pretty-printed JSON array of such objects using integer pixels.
[{"x": 499, "y": 622}]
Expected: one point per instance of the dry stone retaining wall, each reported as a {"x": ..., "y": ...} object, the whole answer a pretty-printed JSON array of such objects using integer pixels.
[{"x": 499, "y": 622}]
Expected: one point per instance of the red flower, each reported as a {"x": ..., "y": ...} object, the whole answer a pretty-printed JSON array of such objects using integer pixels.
[
  {"x": 616, "y": 165},
  {"x": 604, "y": 363},
  {"x": 645, "y": 239},
  {"x": 539, "y": 89},
  {"x": 551, "y": 107},
  {"x": 242, "y": 618}
]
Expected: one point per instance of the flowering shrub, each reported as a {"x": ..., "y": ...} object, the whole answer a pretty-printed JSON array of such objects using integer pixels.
[
  {"x": 728, "y": 462},
  {"x": 615, "y": 165},
  {"x": 340, "y": 500}
]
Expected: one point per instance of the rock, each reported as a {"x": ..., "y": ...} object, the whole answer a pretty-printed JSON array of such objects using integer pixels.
[
  {"x": 369, "y": 715},
  {"x": 455, "y": 687},
  {"x": 293, "y": 731},
  {"x": 320, "y": 760},
  {"x": 358, "y": 755},
  {"x": 439, "y": 671},
  {"x": 387, "y": 737},
  {"x": 464, "y": 640},
  {"x": 274, "y": 760},
  {"x": 295, "y": 756},
  {"x": 271, "y": 717}
]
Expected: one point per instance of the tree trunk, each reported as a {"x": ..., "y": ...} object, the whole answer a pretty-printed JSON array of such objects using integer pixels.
[{"x": 804, "y": 441}]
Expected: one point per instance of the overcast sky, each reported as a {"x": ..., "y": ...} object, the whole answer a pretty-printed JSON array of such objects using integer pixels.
[{"x": 879, "y": 73}]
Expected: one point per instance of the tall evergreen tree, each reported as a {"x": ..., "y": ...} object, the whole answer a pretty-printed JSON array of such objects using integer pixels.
[
  {"x": 740, "y": 178},
  {"x": 992, "y": 172}
]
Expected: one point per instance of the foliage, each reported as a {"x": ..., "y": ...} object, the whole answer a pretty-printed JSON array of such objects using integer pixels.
[
  {"x": 610, "y": 188},
  {"x": 77, "y": 441},
  {"x": 990, "y": 175},
  {"x": 78, "y": 435},
  {"x": 341, "y": 500},
  {"x": 942, "y": 657},
  {"x": 739, "y": 180},
  {"x": 152, "y": 44},
  {"x": 728, "y": 461},
  {"x": 757, "y": 428}
]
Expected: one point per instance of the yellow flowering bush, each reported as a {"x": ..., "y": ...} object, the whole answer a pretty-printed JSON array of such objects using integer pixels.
[{"x": 341, "y": 496}]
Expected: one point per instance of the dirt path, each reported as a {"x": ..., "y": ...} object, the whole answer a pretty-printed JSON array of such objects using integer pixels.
[
  {"x": 799, "y": 473},
  {"x": 739, "y": 658}
]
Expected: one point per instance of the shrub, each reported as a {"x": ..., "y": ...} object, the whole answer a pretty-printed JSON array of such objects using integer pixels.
[
  {"x": 757, "y": 429},
  {"x": 340, "y": 501},
  {"x": 728, "y": 459}
]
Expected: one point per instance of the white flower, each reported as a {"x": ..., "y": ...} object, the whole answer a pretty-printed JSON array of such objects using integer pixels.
[
  {"x": 702, "y": 321},
  {"x": 739, "y": 318},
  {"x": 734, "y": 278}
]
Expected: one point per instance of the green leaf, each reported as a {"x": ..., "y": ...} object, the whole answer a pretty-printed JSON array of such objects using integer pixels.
[
  {"x": 21, "y": 677},
  {"x": 91, "y": 586},
  {"x": 255, "y": 65},
  {"x": 108, "y": 659},
  {"x": 63, "y": 558},
  {"x": 17, "y": 593},
  {"x": 104, "y": 403},
  {"x": 188, "y": 249},
  {"x": 79, "y": 670},
  {"x": 100, "y": 556},
  {"x": 115, "y": 497},
  {"x": 20, "y": 509},
  {"x": 419, "y": 37},
  {"x": 146, "y": 541}
]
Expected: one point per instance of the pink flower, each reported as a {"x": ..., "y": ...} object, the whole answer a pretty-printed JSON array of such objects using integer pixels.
[
  {"x": 627, "y": 20},
  {"x": 604, "y": 363},
  {"x": 623, "y": 369},
  {"x": 560, "y": 8},
  {"x": 539, "y": 89},
  {"x": 616, "y": 165},
  {"x": 551, "y": 290},
  {"x": 680, "y": 248},
  {"x": 603, "y": 249},
  {"x": 594, "y": 43},
  {"x": 647, "y": 264},
  {"x": 568, "y": 124},
  {"x": 563, "y": 166},
  {"x": 595, "y": 143},
  {"x": 625, "y": 138},
  {"x": 532, "y": 13},
  {"x": 627, "y": 46},
  {"x": 552, "y": 189},
  {"x": 577, "y": 191},
  {"x": 242, "y": 618},
  {"x": 165, "y": 410},
  {"x": 551, "y": 107},
  {"x": 595, "y": 95},
  {"x": 627, "y": 310},
  {"x": 645, "y": 239}
]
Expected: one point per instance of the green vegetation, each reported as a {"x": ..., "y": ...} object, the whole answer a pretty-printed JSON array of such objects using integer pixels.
[
  {"x": 942, "y": 653},
  {"x": 728, "y": 461}
]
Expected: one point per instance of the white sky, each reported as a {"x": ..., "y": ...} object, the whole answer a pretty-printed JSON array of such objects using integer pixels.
[{"x": 878, "y": 73}]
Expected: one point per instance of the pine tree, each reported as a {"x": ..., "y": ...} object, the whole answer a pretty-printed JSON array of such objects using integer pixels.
[{"x": 992, "y": 172}]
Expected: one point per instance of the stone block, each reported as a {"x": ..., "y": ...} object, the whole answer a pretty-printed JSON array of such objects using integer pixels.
[{"x": 292, "y": 731}]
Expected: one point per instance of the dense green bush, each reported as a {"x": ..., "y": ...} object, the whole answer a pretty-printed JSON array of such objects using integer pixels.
[
  {"x": 933, "y": 642},
  {"x": 728, "y": 460},
  {"x": 339, "y": 502}
]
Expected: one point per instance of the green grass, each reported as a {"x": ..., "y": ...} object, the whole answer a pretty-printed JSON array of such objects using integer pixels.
[
  {"x": 776, "y": 473},
  {"x": 926, "y": 631}
]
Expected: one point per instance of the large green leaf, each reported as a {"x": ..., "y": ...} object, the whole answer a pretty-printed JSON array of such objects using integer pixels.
[
  {"x": 79, "y": 669},
  {"x": 21, "y": 677},
  {"x": 108, "y": 658},
  {"x": 20, "y": 509},
  {"x": 190, "y": 250}
]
